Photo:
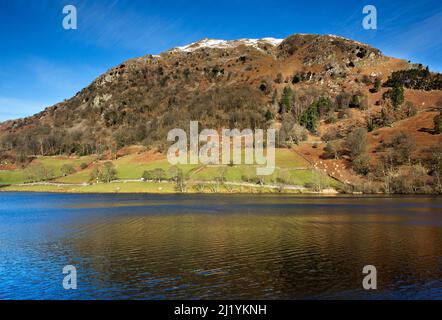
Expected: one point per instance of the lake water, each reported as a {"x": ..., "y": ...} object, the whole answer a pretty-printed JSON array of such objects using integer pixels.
[{"x": 219, "y": 247}]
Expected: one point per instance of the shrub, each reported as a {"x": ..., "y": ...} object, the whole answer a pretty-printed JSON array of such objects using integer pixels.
[
  {"x": 410, "y": 109},
  {"x": 157, "y": 174},
  {"x": 436, "y": 164},
  {"x": 363, "y": 104},
  {"x": 298, "y": 133},
  {"x": 286, "y": 100},
  {"x": 310, "y": 117},
  {"x": 173, "y": 173},
  {"x": 403, "y": 146},
  {"x": 344, "y": 114},
  {"x": 199, "y": 187},
  {"x": 279, "y": 78},
  {"x": 22, "y": 159},
  {"x": 409, "y": 180},
  {"x": 309, "y": 185},
  {"x": 366, "y": 80},
  {"x": 300, "y": 77},
  {"x": 376, "y": 86},
  {"x": 67, "y": 169},
  {"x": 296, "y": 78},
  {"x": 268, "y": 115},
  {"x": 284, "y": 133},
  {"x": 181, "y": 181},
  {"x": 104, "y": 173},
  {"x": 396, "y": 95},
  {"x": 331, "y": 150},
  {"x": 331, "y": 134},
  {"x": 354, "y": 102},
  {"x": 343, "y": 100},
  {"x": 356, "y": 142},
  {"x": 418, "y": 78},
  {"x": 387, "y": 117},
  {"x": 324, "y": 106},
  {"x": 147, "y": 175},
  {"x": 38, "y": 172},
  {"x": 370, "y": 125},
  {"x": 331, "y": 118},
  {"x": 359, "y": 101},
  {"x": 361, "y": 164}
]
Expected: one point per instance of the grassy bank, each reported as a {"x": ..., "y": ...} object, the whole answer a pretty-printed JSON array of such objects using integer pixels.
[
  {"x": 292, "y": 174},
  {"x": 152, "y": 187}
]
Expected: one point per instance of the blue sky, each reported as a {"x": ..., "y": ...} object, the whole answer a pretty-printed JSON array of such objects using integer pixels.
[{"x": 41, "y": 63}]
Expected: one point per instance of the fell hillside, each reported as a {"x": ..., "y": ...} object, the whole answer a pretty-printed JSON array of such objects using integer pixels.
[
  {"x": 230, "y": 83},
  {"x": 315, "y": 89}
]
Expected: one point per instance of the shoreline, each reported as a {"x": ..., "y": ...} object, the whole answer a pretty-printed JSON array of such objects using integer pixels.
[
  {"x": 258, "y": 191},
  {"x": 185, "y": 193},
  {"x": 176, "y": 192},
  {"x": 164, "y": 187}
]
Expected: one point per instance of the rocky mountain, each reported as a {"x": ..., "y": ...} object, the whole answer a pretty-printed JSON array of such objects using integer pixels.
[{"x": 323, "y": 86}]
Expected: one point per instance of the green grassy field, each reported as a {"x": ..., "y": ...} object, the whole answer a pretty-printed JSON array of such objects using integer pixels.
[
  {"x": 56, "y": 163},
  {"x": 52, "y": 163},
  {"x": 11, "y": 176},
  {"x": 291, "y": 169},
  {"x": 126, "y": 168}
]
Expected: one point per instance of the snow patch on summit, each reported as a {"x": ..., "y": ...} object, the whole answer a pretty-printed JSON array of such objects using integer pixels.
[{"x": 223, "y": 44}]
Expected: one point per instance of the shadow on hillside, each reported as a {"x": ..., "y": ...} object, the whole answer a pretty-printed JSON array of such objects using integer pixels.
[{"x": 427, "y": 130}]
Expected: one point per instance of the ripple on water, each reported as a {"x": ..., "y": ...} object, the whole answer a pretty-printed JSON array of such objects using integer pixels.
[{"x": 198, "y": 247}]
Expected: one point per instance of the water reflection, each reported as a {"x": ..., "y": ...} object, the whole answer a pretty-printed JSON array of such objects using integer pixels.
[{"x": 201, "y": 247}]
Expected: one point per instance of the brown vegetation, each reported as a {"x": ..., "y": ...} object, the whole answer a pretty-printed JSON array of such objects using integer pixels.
[{"x": 312, "y": 88}]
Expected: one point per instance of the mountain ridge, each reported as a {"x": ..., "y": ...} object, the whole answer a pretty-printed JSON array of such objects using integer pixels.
[
  {"x": 229, "y": 44},
  {"x": 314, "y": 87}
]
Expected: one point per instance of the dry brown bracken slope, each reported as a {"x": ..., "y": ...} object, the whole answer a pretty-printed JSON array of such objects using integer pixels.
[{"x": 324, "y": 83}]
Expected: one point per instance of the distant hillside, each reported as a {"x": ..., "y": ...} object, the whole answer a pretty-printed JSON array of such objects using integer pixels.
[
  {"x": 219, "y": 83},
  {"x": 317, "y": 88}
]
